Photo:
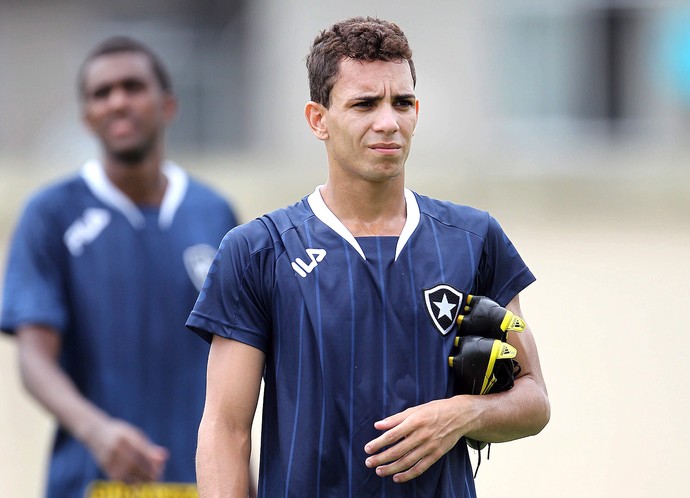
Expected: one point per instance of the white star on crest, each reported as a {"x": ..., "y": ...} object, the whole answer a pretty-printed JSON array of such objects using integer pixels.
[{"x": 444, "y": 307}]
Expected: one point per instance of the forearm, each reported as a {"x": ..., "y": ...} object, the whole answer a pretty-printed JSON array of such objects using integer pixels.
[
  {"x": 522, "y": 411},
  {"x": 122, "y": 451},
  {"x": 47, "y": 382},
  {"x": 222, "y": 460}
]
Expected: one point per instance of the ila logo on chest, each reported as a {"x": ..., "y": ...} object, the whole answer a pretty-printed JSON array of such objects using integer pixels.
[
  {"x": 315, "y": 257},
  {"x": 86, "y": 229}
]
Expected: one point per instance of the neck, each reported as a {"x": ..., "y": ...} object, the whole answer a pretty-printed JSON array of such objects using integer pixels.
[
  {"x": 144, "y": 182},
  {"x": 368, "y": 209}
]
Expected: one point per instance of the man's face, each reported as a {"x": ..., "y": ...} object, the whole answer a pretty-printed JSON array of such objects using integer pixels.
[
  {"x": 371, "y": 119},
  {"x": 124, "y": 105}
]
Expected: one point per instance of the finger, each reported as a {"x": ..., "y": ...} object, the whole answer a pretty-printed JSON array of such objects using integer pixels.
[
  {"x": 392, "y": 420},
  {"x": 144, "y": 467},
  {"x": 143, "y": 461},
  {"x": 414, "y": 471},
  {"x": 159, "y": 457},
  {"x": 388, "y": 438},
  {"x": 395, "y": 459},
  {"x": 134, "y": 467},
  {"x": 391, "y": 454},
  {"x": 155, "y": 458},
  {"x": 121, "y": 464}
]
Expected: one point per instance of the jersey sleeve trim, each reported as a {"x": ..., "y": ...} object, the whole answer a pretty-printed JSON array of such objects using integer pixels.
[
  {"x": 513, "y": 287},
  {"x": 206, "y": 328}
]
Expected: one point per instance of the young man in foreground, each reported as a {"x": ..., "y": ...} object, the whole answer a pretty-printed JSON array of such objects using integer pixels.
[{"x": 326, "y": 300}]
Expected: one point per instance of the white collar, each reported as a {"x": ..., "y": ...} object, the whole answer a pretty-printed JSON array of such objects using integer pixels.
[
  {"x": 323, "y": 213},
  {"x": 94, "y": 175}
]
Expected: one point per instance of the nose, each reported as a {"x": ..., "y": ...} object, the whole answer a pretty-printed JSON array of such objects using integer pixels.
[
  {"x": 386, "y": 120},
  {"x": 117, "y": 98}
]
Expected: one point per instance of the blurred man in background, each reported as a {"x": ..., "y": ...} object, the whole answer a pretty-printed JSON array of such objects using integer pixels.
[
  {"x": 328, "y": 301},
  {"x": 102, "y": 272}
]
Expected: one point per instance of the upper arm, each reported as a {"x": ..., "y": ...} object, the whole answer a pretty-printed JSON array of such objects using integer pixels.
[
  {"x": 527, "y": 356},
  {"x": 224, "y": 444},
  {"x": 233, "y": 383}
]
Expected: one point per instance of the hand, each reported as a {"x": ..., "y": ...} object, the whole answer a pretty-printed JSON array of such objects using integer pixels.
[
  {"x": 416, "y": 438},
  {"x": 124, "y": 453}
]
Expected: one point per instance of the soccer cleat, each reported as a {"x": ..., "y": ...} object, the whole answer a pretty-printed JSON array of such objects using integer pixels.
[
  {"x": 475, "y": 361},
  {"x": 482, "y": 361},
  {"x": 474, "y": 366},
  {"x": 483, "y": 317},
  {"x": 475, "y": 445}
]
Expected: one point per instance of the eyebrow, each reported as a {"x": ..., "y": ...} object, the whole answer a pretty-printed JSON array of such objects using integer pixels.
[
  {"x": 370, "y": 98},
  {"x": 109, "y": 85}
]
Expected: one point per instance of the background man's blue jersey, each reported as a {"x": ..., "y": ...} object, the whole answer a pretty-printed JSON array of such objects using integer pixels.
[
  {"x": 354, "y": 330},
  {"x": 117, "y": 282}
]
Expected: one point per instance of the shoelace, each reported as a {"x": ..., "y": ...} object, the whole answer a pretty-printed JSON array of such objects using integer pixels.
[{"x": 479, "y": 458}]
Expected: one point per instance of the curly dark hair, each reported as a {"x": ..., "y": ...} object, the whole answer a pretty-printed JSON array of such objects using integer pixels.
[
  {"x": 359, "y": 38},
  {"x": 124, "y": 44}
]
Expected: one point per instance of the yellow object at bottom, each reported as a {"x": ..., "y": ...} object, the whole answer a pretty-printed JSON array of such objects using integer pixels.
[{"x": 116, "y": 489}]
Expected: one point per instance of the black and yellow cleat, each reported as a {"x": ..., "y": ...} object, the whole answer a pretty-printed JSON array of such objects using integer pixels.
[
  {"x": 481, "y": 359},
  {"x": 475, "y": 362},
  {"x": 484, "y": 317},
  {"x": 475, "y": 366}
]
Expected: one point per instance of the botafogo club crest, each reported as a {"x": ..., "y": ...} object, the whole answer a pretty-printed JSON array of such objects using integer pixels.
[{"x": 443, "y": 305}]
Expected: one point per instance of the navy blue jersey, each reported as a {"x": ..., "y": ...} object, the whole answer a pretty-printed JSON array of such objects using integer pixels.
[
  {"x": 118, "y": 281},
  {"x": 354, "y": 330}
]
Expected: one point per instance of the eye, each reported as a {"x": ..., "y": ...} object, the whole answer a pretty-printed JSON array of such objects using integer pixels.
[
  {"x": 101, "y": 93},
  {"x": 133, "y": 86},
  {"x": 405, "y": 103},
  {"x": 364, "y": 104}
]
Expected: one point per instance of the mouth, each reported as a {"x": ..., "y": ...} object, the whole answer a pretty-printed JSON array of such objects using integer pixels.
[
  {"x": 386, "y": 148},
  {"x": 121, "y": 127}
]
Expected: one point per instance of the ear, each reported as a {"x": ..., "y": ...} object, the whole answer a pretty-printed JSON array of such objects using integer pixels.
[
  {"x": 169, "y": 107},
  {"x": 86, "y": 118},
  {"x": 316, "y": 118}
]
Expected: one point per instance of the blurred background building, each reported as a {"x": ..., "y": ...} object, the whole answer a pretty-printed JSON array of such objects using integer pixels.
[
  {"x": 532, "y": 76},
  {"x": 42, "y": 43}
]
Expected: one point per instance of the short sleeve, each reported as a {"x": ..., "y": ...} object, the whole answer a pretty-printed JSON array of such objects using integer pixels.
[
  {"x": 502, "y": 272},
  {"x": 34, "y": 282},
  {"x": 235, "y": 299}
]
